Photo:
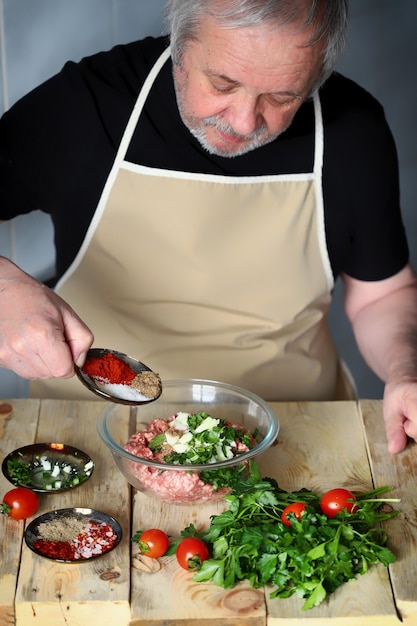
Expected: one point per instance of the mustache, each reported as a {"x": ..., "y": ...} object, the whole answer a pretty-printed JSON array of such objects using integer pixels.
[{"x": 224, "y": 127}]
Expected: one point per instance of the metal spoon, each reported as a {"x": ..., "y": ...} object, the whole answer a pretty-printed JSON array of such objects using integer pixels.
[{"x": 99, "y": 388}]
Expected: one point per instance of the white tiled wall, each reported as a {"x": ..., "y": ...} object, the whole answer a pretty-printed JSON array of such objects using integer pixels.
[{"x": 38, "y": 36}]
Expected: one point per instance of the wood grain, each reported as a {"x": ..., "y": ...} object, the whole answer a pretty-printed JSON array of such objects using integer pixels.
[
  {"x": 167, "y": 597},
  {"x": 363, "y": 602},
  {"x": 333, "y": 454},
  {"x": 320, "y": 445},
  {"x": 16, "y": 429},
  {"x": 400, "y": 472},
  {"x": 52, "y": 593}
]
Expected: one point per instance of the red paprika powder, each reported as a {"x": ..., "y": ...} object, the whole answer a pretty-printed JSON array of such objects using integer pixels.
[{"x": 110, "y": 369}]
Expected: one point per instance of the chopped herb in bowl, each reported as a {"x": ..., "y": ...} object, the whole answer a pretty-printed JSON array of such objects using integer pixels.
[
  {"x": 47, "y": 467},
  {"x": 193, "y": 439}
]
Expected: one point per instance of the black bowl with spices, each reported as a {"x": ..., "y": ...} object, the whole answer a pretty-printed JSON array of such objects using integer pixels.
[
  {"x": 47, "y": 467},
  {"x": 73, "y": 535}
]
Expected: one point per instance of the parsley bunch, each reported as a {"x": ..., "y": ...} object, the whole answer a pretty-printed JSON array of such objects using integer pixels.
[{"x": 311, "y": 558}]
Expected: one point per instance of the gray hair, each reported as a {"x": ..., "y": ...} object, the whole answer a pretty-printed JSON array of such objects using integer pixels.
[{"x": 328, "y": 19}]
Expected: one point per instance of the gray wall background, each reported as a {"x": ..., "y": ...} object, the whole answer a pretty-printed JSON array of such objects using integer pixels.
[{"x": 38, "y": 36}]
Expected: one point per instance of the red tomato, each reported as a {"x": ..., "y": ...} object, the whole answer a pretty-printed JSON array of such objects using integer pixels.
[
  {"x": 19, "y": 503},
  {"x": 297, "y": 508},
  {"x": 153, "y": 542},
  {"x": 337, "y": 500},
  {"x": 191, "y": 552}
]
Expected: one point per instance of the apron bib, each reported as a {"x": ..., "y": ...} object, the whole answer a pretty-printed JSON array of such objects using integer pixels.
[{"x": 205, "y": 276}]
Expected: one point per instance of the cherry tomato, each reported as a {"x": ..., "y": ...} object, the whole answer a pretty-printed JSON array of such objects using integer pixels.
[
  {"x": 297, "y": 508},
  {"x": 153, "y": 542},
  {"x": 337, "y": 500},
  {"x": 191, "y": 552},
  {"x": 19, "y": 503}
]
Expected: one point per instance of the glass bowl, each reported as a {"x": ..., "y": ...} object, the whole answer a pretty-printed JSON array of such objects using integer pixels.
[{"x": 190, "y": 483}]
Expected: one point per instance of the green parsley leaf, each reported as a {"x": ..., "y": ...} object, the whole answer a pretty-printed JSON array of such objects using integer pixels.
[
  {"x": 157, "y": 442},
  {"x": 19, "y": 472},
  {"x": 310, "y": 559}
]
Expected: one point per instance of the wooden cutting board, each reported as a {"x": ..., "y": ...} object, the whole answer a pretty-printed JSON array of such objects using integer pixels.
[{"x": 320, "y": 445}]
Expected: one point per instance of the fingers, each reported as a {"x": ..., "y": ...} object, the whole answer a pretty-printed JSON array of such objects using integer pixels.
[
  {"x": 400, "y": 415},
  {"x": 40, "y": 335},
  {"x": 394, "y": 428},
  {"x": 397, "y": 440},
  {"x": 42, "y": 350},
  {"x": 78, "y": 337}
]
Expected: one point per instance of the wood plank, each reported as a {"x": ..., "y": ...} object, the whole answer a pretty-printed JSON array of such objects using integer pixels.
[
  {"x": 366, "y": 601},
  {"x": 167, "y": 596},
  {"x": 399, "y": 472},
  {"x": 52, "y": 593},
  {"x": 321, "y": 446},
  {"x": 12, "y": 436},
  {"x": 332, "y": 454}
]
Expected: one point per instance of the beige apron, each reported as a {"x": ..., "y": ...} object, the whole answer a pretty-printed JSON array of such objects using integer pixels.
[{"x": 208, "y": 276}]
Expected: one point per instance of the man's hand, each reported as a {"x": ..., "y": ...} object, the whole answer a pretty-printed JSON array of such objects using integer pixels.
[
  {"x": 384, "y": 319},
  {"x": 40, "y": 335},
  {"x": 400, "y": 413}
]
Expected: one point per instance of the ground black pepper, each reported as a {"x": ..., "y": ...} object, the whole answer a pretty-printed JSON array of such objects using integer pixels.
[{"x": 148, "y": 383}]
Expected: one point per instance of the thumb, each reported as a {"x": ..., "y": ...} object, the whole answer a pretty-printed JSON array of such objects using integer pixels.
[
  {"x": 80, "y": 359},
  {"x": 394, "y": 424},
  {"x": 396, "y": 436},
  {"x": 78, "y": 337}
]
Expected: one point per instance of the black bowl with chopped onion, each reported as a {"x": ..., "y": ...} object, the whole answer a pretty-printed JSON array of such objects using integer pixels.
[
  {"x": 47, "y": 467},
  {"x": 194, "y": 443}
]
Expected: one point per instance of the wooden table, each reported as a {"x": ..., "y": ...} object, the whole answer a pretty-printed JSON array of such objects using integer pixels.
[{"x": 320, "y": 445}]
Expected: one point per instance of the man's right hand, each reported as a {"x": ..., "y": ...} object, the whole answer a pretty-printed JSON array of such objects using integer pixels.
[{"x": 40, "y": 334}]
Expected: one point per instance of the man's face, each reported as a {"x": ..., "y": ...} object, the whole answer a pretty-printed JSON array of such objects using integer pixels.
[{"x": 239, "y": 89}]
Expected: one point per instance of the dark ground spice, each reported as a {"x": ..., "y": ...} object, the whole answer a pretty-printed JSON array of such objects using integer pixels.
[
  {"x": 148, "y": 383},
  {"x": 61, "y": 529}
]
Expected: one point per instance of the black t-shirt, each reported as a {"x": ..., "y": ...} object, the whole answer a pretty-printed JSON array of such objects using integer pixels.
[{"x": 58, "y": 144}]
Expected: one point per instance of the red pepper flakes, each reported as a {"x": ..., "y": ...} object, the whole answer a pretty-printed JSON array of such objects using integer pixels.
[
  {"x": 96, "y": 538},
  {"x": 55, "y": 549}
]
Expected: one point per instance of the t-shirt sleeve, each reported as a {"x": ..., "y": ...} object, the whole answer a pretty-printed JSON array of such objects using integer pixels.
[
  {"x": 365, "y": 228},
  {"x": 55, "y": 135},
  {"x": 58, "y": 143}
]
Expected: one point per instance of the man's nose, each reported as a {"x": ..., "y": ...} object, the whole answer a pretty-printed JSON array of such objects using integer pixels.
[{"x": 244, "y": 115}]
